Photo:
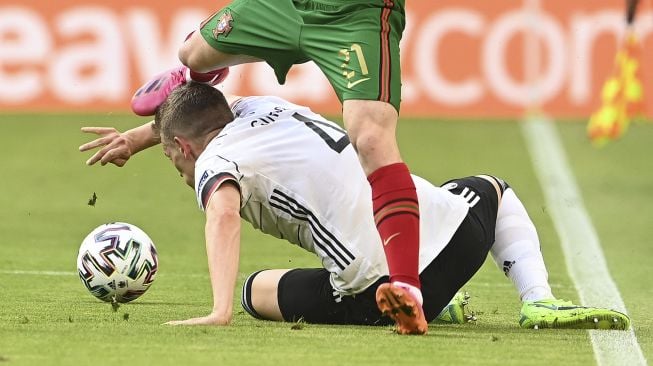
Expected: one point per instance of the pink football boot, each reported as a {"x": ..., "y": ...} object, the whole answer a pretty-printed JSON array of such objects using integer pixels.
[{"x": 151, "y": 95}]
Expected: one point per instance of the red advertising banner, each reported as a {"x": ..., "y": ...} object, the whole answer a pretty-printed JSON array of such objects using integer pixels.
[{"x": 459, "y": 57}]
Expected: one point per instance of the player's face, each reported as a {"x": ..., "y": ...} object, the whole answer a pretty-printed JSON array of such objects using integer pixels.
[{"x": 185, "y": 166}]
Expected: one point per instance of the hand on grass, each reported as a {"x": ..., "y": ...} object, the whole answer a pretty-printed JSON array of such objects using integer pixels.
[
  {"x": 115, "y": 149},
  {"x": 211, "y": 319}
]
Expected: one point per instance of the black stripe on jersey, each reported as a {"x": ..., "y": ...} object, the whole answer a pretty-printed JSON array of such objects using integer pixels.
[
  {"x": 315, "y": 220},
  {"x": 320, "y": 245},
  {"x": 213, "y": 183},
  {"x": 283, "y": 202}
]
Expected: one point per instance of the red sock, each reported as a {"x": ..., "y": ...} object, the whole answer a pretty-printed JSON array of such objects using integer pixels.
[{"x": 396, "y": 214}]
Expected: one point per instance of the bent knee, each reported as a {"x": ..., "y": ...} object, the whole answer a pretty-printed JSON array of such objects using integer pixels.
[
  {"x": 376, "y": 149},
  {"x": 259, "y": 294},
  {"x": 372, "y": 126},
  {"x": 369, "y": 117},
  {"x": 499, "y": 184},
  {"x": 199, "y": 56}
]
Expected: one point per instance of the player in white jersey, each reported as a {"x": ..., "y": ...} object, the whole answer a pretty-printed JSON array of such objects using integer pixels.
[
  {"x": 326, "y": 211},
  {"x": 293, "y": 174}
]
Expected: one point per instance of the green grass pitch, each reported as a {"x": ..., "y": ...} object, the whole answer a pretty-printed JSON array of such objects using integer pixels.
[{"x": 48, "y": 318}]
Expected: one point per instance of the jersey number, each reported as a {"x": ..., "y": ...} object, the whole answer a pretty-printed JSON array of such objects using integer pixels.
[
  {"x": 347, "y": 72},
  {"x": 314, "y": 125}
]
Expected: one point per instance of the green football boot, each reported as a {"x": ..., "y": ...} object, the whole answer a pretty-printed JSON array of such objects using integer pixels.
[
  {"x": 563, "y": 314},
  {"x": 456, "y": 312}
]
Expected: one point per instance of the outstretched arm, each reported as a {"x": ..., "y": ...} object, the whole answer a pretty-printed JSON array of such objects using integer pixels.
[
  {"x": 116, "y": 147},
  {"x": 223, "y": 250}
]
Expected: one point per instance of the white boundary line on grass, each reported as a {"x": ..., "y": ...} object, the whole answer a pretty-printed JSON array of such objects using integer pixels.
[{"x": 579, "y": 240}]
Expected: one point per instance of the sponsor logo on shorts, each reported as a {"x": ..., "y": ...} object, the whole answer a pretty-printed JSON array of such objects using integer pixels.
[
  {"x": 352, "y": 84},
  {"x": 224, "y": 25}
]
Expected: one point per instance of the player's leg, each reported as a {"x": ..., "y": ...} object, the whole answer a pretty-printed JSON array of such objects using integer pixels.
[
  {"x": 467, "y": 250},
  {"x": 307, "y": 295},
  {"x": 259, "y": 297},
  {"x": 359, "y": 54},
  {"x": 516, "y": 251},
  {"x": 246, "y": 31},
  {"x": 201, "y": 57},
  {"x": 231, "y": 36},
  {"x": 303, "y": 295},
  {"x": 371, "y": 126}
]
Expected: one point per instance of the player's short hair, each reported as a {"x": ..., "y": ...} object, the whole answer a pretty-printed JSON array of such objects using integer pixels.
[{"x": 193, "y": 110}]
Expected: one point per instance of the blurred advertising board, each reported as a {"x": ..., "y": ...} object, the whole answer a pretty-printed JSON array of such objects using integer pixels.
[{"x": 462, "y": 58}]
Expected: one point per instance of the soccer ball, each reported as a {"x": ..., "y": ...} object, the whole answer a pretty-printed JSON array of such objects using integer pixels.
[{"x": 117, "y": 262}]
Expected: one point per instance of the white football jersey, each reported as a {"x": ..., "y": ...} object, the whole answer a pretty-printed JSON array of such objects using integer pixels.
[{"x": 300, "y": 180}]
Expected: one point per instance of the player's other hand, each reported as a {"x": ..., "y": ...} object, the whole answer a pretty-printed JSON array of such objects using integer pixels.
[
  {"x": 211, "y": 319},
  {"x": 115, "y": 146}
]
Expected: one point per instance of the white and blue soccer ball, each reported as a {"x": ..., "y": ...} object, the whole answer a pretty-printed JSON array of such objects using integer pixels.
[{"x": 117, "y": 262}]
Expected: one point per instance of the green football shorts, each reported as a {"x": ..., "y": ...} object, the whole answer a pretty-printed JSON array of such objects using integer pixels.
[{"x": 354, "y": 42}]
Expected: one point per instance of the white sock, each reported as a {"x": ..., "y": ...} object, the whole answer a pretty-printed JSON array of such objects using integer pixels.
[{"x": 516, "y": 250}]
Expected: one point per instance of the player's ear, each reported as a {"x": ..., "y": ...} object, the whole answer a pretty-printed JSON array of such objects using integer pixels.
[
  {"x": 177, "y": 142},
  {"x": 182, "y": 145}
]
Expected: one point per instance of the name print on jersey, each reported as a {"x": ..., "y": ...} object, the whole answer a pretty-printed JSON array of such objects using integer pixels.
[
  {"x": 323, "y": 129},
  {"x": 271, "y": 117}
]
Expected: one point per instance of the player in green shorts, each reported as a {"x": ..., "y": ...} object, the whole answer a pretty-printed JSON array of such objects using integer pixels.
[
  {"x": 356, "y": 45},
  {"x": 360, "y": 59}
]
